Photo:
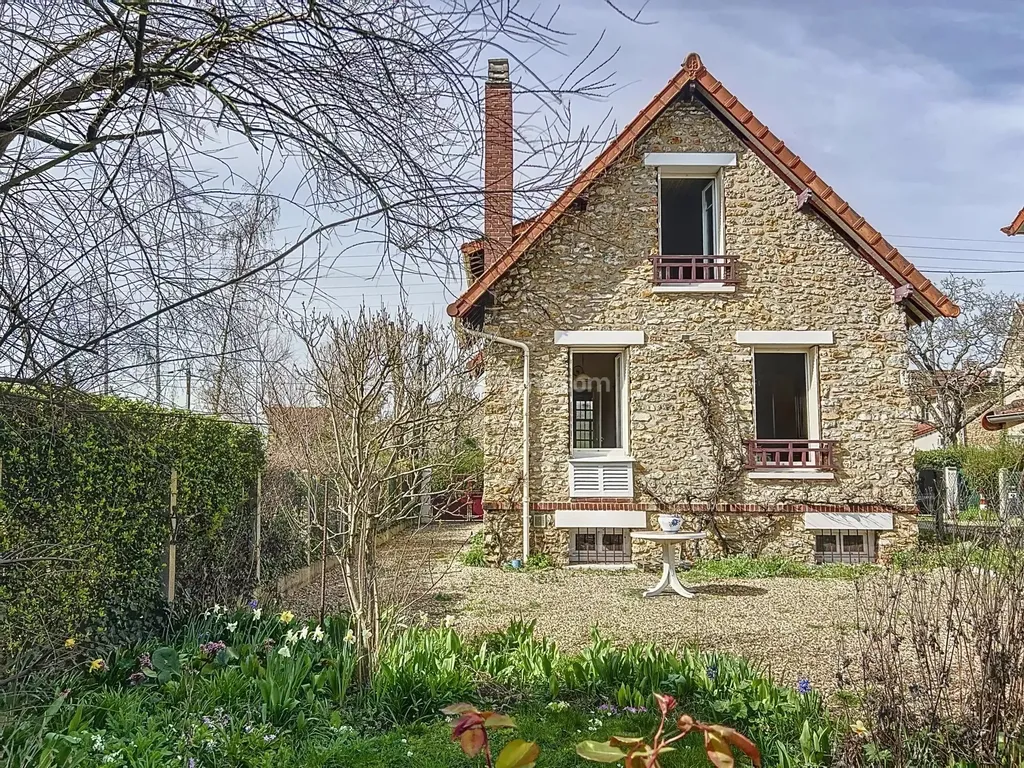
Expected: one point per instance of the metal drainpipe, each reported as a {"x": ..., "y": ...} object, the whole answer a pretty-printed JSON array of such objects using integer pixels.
[{"x": 526, "y": 427}]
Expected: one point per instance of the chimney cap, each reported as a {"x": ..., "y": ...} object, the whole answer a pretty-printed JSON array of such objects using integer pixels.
[{"x": 497, "y": 70}]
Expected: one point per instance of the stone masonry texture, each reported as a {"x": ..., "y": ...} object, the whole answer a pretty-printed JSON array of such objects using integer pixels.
[{"x": 691, "y": 385}]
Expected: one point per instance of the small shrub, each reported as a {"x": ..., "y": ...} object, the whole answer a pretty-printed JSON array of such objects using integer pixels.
[
  {"x": 745, "y": 567},
  {"x": 474, "y": 555}
]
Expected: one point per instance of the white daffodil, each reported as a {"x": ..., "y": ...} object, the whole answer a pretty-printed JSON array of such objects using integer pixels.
[
  {"x": 283, "y": 651},
  {"x": 318, "y": 633},
  {"x": 304, "y": 632},
  {"x": 257, "y": 613},
  {"x": 350, "y": 637},
  {"x": 232, "y": 626},
  {"x": 291, "y": 637}
]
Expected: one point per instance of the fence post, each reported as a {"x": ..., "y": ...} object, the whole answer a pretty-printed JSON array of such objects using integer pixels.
[
  {"x": 172, "y": 546},
  {"x": 259, "y": 524},
  {"x": 1003, "y": 491},
  {"x": 951, "y": 503}
]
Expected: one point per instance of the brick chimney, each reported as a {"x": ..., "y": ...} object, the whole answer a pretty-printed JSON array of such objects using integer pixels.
[{"x": 497, "y": 161}]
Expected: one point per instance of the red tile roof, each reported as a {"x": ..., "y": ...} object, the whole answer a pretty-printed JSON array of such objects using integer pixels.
[
  {"x": 1008, "y": 415},
  {"x": 478, "y": 245},
  {"x": 1016, "y": 226},
  {"x": 928, "y": 299},
  {"x": 921, "y": 429}
]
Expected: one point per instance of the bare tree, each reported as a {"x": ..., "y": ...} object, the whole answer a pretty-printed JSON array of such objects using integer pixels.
[
  {"x": 963, "y": 366},
  {"x": 125, "y": 126},
  {"x": 385, "y": 404}
]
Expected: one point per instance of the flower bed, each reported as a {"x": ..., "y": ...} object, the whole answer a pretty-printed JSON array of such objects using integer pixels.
[{"x": 255, "y": 687}]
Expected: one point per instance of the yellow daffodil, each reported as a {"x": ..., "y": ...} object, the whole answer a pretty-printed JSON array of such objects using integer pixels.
[
  {"x": 97, "y": 665},
  {"x": 859, "y": 728},
  {"x": 69, "y": 643},
  {"x": 286, "y": 617}
]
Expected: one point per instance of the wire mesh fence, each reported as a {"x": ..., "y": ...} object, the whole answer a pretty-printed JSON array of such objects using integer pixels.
[{"x": 951, "y": 504}]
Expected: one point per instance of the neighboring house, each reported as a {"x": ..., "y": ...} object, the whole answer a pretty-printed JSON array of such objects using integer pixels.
[
  {"x": 711, "y": 331},
  {"x": 926, "y": 437},
  {"x": 994, "y": 396},
  {"x": 1016, "y": 226}
]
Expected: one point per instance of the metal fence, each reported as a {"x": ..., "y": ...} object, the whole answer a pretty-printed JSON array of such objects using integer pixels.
[{"x": 946, "y": 495}]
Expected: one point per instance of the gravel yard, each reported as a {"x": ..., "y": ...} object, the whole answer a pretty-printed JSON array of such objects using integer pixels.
[{"x": 792, "y": 626}]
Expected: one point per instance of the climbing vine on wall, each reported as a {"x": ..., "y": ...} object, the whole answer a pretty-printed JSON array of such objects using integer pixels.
[{"x": 84, "y": 520}]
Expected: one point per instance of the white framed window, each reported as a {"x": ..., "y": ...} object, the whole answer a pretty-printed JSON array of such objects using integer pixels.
[
  {"x": 599, "y": 545},
  {"x": 787, "y": 442},
  {"x": 598, "y": 398},
  {"x": 845, "y": 546},
  {"x": 786, "y": 402},
  {"x": 689, "y": 213}
]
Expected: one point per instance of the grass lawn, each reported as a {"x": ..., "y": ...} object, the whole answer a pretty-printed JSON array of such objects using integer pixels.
[{"x": 430, "y": 746}]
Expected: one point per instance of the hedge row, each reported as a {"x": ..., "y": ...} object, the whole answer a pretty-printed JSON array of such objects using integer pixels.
[
  {"x": 979, "y": 465},
  {"x": 84, "y": 520}
]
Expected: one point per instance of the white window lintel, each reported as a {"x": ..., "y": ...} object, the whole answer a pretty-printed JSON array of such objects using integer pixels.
[
  {"x": 600, "y": 518},
  {"x": 599, "y": 338},
  {"x": 690, "y": 160},
  {"x": 785, "y": 338},
  {"x": 848, "y": 521}
]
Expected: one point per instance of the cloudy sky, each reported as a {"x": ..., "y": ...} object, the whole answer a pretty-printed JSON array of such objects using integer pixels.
[{"x": 913, "y": 110}]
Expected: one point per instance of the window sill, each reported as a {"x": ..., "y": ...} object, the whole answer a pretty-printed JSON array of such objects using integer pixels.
[
  {"x": 695, "y": 288},
  {"x": 601, "y": 458},
  {"x": 790, "y": 474}
]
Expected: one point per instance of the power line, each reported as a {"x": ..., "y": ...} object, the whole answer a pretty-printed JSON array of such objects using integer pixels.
[{"x": 951, "y": 239}]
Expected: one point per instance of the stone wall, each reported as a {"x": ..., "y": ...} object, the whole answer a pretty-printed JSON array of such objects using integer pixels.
[{"x": 591, "y": 271}]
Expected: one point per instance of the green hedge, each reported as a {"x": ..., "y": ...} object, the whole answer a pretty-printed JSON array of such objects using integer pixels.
[
  {"x": 979, "y": 465},
  {"x": 85, "y": 487}
]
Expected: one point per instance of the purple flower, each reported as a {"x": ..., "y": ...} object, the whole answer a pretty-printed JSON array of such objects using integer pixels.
[
  {"x": 712, "y": 672},
  {"x": 610, "y": 709},
  {"x": 254, "y": 604},
  {"x": 191, "y": 762},
  {"x": 145, "y": 662},
  {"x": 136, "y": 678},
  {"x": 211, "y": 649},
  {"x": 803, "y": 685}
]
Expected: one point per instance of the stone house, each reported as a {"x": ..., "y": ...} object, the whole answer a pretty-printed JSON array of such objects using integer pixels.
[{"x": 697, "y": 325}]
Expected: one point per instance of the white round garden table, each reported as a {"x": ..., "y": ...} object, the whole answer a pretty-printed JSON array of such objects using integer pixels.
[{"x": 668, "y": 541}]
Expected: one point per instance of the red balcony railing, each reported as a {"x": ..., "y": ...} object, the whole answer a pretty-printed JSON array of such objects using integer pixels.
[
  {"x": 791, "y": 454},
  {"x": 685, "y": 270}
]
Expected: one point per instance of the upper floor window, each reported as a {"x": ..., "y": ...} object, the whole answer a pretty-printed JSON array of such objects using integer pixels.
[
  {"x": 690, "y": 234},
  {"x": 689, "y": 216}
]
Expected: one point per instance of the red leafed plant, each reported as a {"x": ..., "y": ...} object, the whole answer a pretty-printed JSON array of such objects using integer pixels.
[
  {"x": 470, "y": 730},
  {"x": 641, "y": 753}
]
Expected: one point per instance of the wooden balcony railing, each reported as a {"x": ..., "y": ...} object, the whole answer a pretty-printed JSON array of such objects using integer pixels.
[
  {"x": 791, "y": 454},
  {"x": 686, "y": 270}
]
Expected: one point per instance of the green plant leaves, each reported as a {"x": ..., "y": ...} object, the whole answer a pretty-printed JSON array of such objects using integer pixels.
[
  {"x": 518, "y": 754},
  {"x": 599, "y": 752}
]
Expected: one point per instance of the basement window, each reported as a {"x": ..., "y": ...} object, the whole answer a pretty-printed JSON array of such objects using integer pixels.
[
  {"x": 599, "y": 545},
  {"x": 844, "y": 546}
]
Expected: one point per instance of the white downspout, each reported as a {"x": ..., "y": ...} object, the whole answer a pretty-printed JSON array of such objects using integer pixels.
[{"x": 526, "y": 427}]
